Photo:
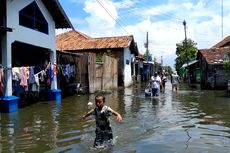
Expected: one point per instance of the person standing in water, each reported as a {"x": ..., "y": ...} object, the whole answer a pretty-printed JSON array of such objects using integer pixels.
[
  {"x": 175, "y": 80},
  {"x": 155, "y": 83},
  {"x": 103, "y": 130},
  {"x": 163, "y": 81}
]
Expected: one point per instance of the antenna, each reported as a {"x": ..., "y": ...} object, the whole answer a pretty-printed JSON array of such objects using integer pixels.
[{"x": 222, "y": 20}]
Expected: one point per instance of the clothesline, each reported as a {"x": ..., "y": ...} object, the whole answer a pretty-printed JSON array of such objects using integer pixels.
[{"x": 9, "y": 68}]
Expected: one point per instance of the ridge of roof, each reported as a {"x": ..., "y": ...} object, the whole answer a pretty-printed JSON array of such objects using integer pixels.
[
  {"x": 75, "y": 41},
  {"x": 223, "y": 42},
  {"x": 215, "y": 55},
  {"x": 128, "y": 36}
]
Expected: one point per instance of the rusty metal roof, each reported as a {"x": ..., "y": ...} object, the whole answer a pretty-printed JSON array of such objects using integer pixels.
[
  {"x": 215, "y": 55},
  {"x": 140, "y": 57},
  {"x": 58, "y": 14},
  {"x": 75, "y": 40}
]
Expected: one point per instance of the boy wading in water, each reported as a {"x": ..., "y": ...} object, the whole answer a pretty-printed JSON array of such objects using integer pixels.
[{"x": 103, "y": 130}]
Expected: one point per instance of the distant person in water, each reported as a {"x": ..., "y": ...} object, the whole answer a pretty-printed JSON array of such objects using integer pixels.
[
  {"x": 155, "y": 83},
  {"x": 163, "y": 81},
  {"x": 104, "y": 135},
  {"x": 175, "y": 80}
]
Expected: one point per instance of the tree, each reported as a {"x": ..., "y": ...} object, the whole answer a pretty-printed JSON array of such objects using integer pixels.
[
  {"x": 147, "y": 55},
  {"x": 168, "y": 69},
  {"x": 227, "y": 63},
  {"x": 185, "y": 52}
]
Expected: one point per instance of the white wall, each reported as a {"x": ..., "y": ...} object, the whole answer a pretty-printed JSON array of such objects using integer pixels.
[
  {"x": 26, "y": 35},
  {"x": 127, "y": 68}
]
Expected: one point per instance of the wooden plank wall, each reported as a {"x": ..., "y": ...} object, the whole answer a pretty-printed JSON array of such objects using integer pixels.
[
  {"x": 92, "y": 72},
  {"x": 102, "y": 76},
  {"x": 82, "y": 71},
  {"x": 110, "y": 73}
]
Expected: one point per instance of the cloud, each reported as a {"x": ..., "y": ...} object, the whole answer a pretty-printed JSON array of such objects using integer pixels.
[
  {"x": 163, "y": 21},
  {"x": 102, "y": 14},
  {"x": 125, "y": 3}
]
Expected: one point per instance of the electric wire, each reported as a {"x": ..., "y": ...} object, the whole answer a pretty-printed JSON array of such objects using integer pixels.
[{"x": 112, "y": 16}]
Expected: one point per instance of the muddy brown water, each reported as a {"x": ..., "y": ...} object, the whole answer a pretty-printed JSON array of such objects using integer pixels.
[{"x": 187, "y": 121}]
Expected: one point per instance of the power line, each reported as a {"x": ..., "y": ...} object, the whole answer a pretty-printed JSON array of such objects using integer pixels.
[{"x": 112, "y": 16}]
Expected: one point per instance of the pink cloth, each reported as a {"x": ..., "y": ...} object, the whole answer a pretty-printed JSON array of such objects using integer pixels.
[{"x": 24, "y": 77}]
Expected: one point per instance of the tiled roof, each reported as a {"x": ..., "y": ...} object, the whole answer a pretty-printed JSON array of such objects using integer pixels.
[
  {"x": 215, "y": 55},
  {"x": 223, "y": 43},
  {"x": 75, "y": 40}
]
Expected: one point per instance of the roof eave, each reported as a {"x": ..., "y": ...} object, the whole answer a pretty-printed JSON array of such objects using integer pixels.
[{"x": 58, "y": 14}]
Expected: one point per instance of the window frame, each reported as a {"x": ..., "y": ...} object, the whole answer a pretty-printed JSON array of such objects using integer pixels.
[{"x": 33, "y": 18}]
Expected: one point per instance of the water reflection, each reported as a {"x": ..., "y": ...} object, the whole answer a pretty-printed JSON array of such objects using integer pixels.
[{"x": 187, "y": 120}]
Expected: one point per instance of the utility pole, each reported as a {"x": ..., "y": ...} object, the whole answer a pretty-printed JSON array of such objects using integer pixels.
[
  {"x": 147, "y": 46},
  {"x": 186, "y": 46},
  {"x": 222, "y": 20},
  {"x": 161, "y": 61},
  {"x": 147, "y": 56}
]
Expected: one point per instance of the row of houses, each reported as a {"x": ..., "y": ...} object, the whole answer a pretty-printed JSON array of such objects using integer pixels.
[
  {"x": 38, "y": 65},
  {"x": 208, "y": 68}
]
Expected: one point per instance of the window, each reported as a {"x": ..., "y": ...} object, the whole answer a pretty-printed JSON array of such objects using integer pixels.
[{"x": 31, "y": 17}]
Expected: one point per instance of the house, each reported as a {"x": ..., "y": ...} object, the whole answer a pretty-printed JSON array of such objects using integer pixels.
[
  {"x": 190, "y": 70},
  {"x": 213, "y": 75},
  {"x": 70, "y": 70},
  {"x": 139, "y": 68},
  {"x": 27, "y": 29},
  {"x": 122, "y": 48}
]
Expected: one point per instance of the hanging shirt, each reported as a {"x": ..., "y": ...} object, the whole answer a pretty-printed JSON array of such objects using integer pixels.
[{"x": 24, "y": 77}]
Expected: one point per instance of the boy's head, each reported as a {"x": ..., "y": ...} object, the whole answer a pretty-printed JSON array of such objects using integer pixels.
[{"x": 99, "y": 101}]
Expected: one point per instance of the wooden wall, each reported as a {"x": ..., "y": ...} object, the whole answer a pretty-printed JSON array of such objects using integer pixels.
[{"x": 104, "y": 75}]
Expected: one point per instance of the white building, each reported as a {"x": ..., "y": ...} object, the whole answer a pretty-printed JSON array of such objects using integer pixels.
[{"x": 27, "y": 35}]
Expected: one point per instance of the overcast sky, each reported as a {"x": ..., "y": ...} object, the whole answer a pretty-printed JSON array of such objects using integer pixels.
[{"x": 162, "y": 19}]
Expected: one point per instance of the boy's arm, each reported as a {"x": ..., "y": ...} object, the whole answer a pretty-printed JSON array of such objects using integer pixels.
[
  {"x": 118, "y": 116},
  {"x": 88, "y": 114}
]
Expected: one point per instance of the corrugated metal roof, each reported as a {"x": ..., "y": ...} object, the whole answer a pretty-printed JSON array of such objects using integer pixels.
[
  {"x": 75, "y": 40},
  {"x": 189, "y": 63},
  {"x": 215, "y": 55}
]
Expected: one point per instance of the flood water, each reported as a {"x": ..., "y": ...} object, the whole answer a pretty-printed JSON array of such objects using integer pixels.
[{"x": 187, "y": 121}]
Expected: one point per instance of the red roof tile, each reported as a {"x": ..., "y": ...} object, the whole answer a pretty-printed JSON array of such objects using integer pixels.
[
  {"x": 223, "y": 43},
  {"x": 215, "y": 55},
  {"x": 75, "y": 40}
]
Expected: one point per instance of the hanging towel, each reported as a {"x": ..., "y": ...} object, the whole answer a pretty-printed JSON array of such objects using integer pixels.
[{"x": 36, "y": 78}]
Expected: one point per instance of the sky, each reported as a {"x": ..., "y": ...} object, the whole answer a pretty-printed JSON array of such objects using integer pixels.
[{"x": 207, "y": 22}]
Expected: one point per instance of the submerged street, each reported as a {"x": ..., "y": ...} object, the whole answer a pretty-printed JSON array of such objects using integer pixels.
[{"x": 189, "y": 120}]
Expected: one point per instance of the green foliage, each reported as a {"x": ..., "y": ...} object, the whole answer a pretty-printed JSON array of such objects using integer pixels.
[
  {"x": 109, "y": 53},
  {"x": 168, "y": 69},
  {"x": 100, "y": 55},
  {"x": 185, "y": 52},
  {"x": 227, "y": 63},
  {"x": 146, "y": 55}
]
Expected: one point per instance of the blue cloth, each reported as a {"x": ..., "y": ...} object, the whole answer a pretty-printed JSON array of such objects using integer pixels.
[{"x": 31, "y": 76}]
